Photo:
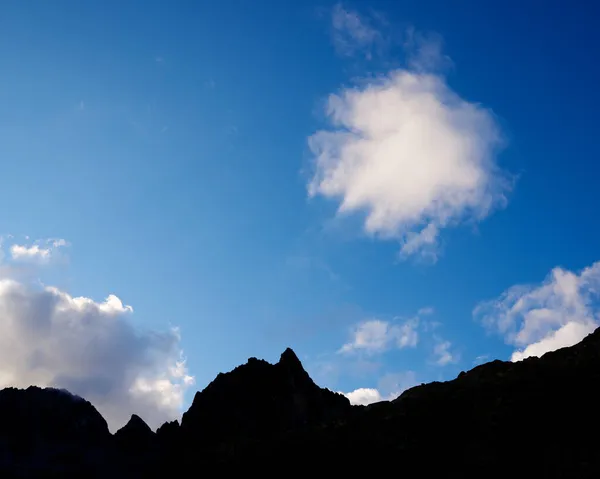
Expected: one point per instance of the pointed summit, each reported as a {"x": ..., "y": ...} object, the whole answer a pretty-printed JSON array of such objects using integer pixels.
[
  {"x": 259, "y": 399},
  {"x": 135, "y": 429},
  {"x": 138, "y": 423},
  {"x": 289, "y": 358},
  {"x": 293, "y": 371}
]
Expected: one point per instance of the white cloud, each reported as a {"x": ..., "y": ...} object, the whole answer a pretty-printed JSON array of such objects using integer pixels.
[
  {"x": 375, "y": 335},
  {"x": 353, "y": 33},
  {"x": 35, "y": 251},
  {"x": 389, "y": 387},
  {"x": 536, "y": 319},
  {"x": 409, "y": 154},
  {"x": 41, "y": 250},
  {"x": 49, "y": 338},
  {"x": 568, "y": 335},
  {"x": 442, "y": 353},
  {"x": 364, "y": 396}
]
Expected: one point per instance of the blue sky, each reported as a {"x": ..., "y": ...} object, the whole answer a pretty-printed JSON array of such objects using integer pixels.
[{"x": 397, "y": 191}]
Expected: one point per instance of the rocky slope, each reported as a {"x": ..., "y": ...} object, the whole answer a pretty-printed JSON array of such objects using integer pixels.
[
  {"x": 538, "y": 417},
  {"x": 49, "y": 432}
]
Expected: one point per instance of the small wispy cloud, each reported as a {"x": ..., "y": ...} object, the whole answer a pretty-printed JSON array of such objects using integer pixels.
[
  {"x": 2, "y": 240},
  {"x": 375, "y": 336},
  {"x": 424, "y": 51},
  {"x": 353, "y": 33},
  {"x": 389, "y": 387},
  {"x": 536, "y": 319},
  {"x": 35, "y": 251},
  {"x": 40, "y": 251},
  {"x": 443, "y": 353},
  {"x": 482, "y": 358}
]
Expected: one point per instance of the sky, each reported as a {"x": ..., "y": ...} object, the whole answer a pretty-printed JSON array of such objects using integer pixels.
[{"x": 399, "y": 191}]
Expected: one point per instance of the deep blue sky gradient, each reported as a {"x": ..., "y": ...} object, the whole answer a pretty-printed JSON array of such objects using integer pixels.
[{"x": 167, "y": 141}]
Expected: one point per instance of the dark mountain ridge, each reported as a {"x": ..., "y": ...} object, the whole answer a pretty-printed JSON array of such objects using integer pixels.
[
  {"x": 535, "y": 417},
  {"x": 258, "y": 400}
]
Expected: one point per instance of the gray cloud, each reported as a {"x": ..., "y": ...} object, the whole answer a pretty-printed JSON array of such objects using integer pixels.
[{"x": 49, "y": 338}]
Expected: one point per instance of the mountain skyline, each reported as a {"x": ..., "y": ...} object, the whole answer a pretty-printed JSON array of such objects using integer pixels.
[{"x": 263, "y": 416}]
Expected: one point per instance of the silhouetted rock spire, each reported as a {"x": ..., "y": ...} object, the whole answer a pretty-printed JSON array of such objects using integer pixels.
[
  {"x": 135, "y": 429},
  {"x": 259, "y": 399},
  {"x": 289, "y": 357}
]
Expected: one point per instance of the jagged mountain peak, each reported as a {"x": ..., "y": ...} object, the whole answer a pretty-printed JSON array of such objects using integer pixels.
[
  {"x": 292, "y": 370},
  {"x": 134, "y": 435},
  {"x": 135, "y": 423},
  {"x": 289, "y": 357},
  {"x": 260, "y": 399}
]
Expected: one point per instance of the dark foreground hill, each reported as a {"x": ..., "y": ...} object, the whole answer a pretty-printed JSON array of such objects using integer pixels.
[{"x": 535, "y": 418}]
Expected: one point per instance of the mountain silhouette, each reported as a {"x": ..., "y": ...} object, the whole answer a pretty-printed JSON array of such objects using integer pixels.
[
  {"x": 258, "y": 400},
  {"x": 533, "y": 418}
]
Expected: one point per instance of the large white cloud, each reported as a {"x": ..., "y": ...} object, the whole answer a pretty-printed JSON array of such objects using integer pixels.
[
  {"x": 411, "y": 155},
  {"x": 49, "y": 338},
  {"x": 536, "y": 319}
]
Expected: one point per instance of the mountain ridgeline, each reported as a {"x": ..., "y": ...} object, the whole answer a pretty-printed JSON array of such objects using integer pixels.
[{"x": 539, "y": 416}]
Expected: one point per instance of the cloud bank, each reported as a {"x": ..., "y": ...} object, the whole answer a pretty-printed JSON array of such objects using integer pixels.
[
  {"x": 408, "y": 152},
  {"x": 49, "y": 338},
  {"x": 536, "y": 319}
]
